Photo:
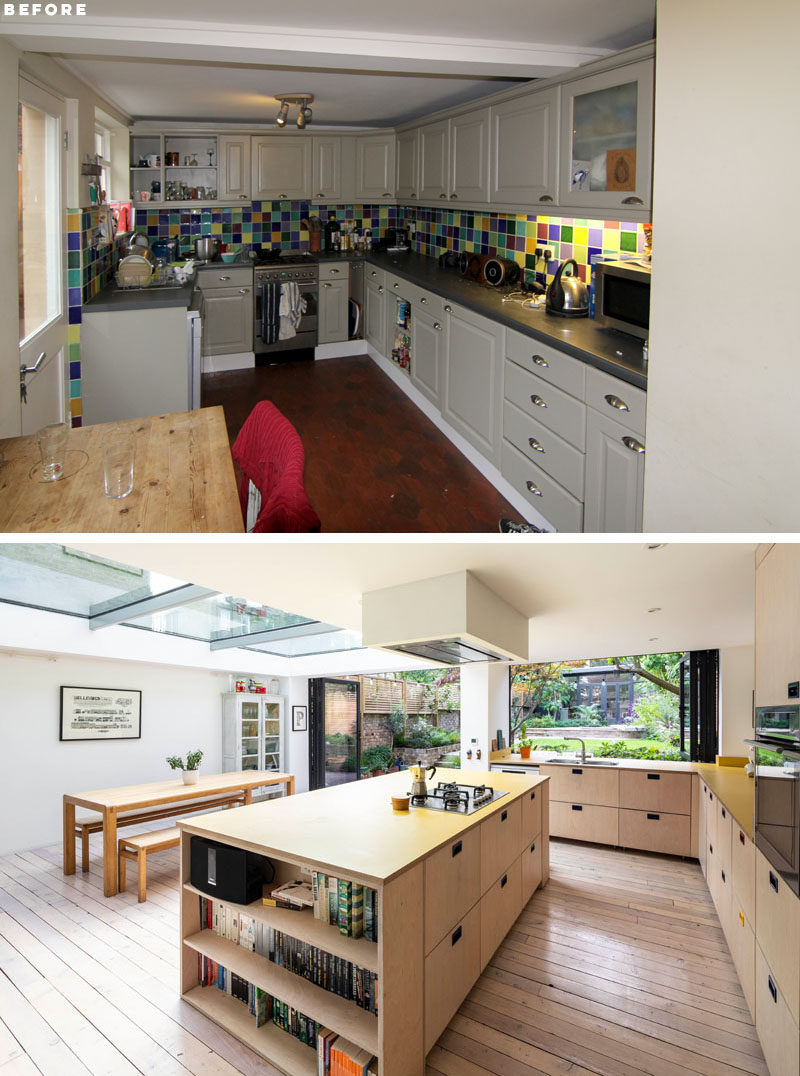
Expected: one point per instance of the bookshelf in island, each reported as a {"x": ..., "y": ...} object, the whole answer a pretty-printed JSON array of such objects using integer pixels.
[{"x": 406, "y": 909}]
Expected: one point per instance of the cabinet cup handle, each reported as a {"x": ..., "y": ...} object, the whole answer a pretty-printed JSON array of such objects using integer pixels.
[
  {"x": 504, "y": 816},
  {"x": 456, "y": 849},
  {"x": 577, "y": 807},
  {"x": 455, "y": 936},
  {"x": 654, "y": 777},
  {"x": 654, "y": 817},
  {"x": 503, "y": 881},
  {"x": 244, "y": 291},
  {"x": 413, "y": 194},
  {"x": 772, "y": 988},
  {"x": 320, "y": 194},
  {"x": 326, "y": 285},
  {"x": 614, "y": 401},
  {"x": 545, "y": 198},
  {"x": 632, "y": 200},
  {"x": 333, "y": 271},
  {"x": 532, "y": 488},
  {"x": 538, "y": 401},
  {"x": 536, "y": 445},
  {"x": 454, "y": 196},
  {"x": 633, "y": 445},
  {"x": 387, "y": 194},
  {"x": 437, "y": 326},
  {"x": 539, "y": 360},
  {"x": 773, "y": 881},
  {"x": 223, "y": 278},
  {"x": 442, "y": 195}
]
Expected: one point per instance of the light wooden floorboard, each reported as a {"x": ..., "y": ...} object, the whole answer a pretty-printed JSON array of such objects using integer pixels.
[{"x": 617, "y": 968}]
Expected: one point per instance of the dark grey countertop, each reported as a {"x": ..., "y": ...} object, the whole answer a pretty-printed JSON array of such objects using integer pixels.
[
  {"x": 114, "y": 298},
  {"x": 612, "y": 352}
]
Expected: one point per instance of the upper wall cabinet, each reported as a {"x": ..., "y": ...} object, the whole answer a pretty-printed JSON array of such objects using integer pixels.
[
  {"x": 375, "y": 168},
  {"x": 524, "y": 150},
  {"x": 434, "y": 162},
  {"x": 407, "y": 165},
  {"x": 234, "y": 168},
  {"x": 777, "y": 624},
  {"x": 281, "y": 167},
  {"x": 469, "y": 157},
  {"x": 326, "y": 169},
  {"x": 607, "y": 141}
]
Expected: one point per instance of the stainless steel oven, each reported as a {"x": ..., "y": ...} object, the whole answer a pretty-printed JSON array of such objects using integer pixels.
[
  {"x": 777, "y": 793},
  {"x": 305, "y": 273}
]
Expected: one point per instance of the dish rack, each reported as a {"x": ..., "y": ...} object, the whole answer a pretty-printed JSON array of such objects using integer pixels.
[{"x": 151, "y": 282}]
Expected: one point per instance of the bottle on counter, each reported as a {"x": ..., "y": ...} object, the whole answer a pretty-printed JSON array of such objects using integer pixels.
[{"x": 332, "y": 229}]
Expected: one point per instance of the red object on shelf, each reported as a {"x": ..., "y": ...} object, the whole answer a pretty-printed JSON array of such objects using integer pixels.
[{"x": 261, "y": 690}]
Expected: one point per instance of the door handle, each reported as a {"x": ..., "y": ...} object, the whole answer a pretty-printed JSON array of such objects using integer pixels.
[
  {"x": 456, "y": 936},
  {"x": 456, "y": 848},
  {"x": 654, "y": 777},
  {"x": 23, "y": 370}
]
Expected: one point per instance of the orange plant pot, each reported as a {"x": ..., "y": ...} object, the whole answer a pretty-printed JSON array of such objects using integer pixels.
[{"x": 524, "y": 752}]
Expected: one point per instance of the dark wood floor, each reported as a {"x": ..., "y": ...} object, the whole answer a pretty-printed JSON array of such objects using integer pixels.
[{"x": 374, "y": 462}]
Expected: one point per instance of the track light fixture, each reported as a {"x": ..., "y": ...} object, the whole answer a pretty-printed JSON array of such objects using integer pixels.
[{"x": 302, "y": 100}]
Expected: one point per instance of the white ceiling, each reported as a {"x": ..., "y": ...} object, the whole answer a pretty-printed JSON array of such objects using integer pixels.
[
  {"x": 370, "y": 66},
  {"x": 585, "y": 599}
]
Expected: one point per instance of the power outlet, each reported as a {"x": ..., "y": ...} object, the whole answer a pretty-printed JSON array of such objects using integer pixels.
[{"x": 548, "y": 254}]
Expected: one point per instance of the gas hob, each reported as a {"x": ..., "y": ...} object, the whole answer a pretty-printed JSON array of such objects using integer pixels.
[{"x": 458, "y": 799}]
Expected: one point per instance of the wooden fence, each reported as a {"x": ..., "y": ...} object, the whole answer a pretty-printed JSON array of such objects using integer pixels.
[{"x": 380, "y": 696}]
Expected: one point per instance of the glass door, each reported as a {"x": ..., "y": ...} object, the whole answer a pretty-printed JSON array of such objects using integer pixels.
[
  {"x": 272, "y": 735},
  {"x": 251, "y": 735},
  {"x": 40, "y": 221},
  {"x": 335, "y": 732}
]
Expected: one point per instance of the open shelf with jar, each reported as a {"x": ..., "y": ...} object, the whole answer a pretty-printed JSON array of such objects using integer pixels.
[{"x": 175, "y": 168}]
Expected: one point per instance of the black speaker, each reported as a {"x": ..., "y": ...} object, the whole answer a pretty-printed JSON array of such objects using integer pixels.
[{"x": 227, "y": 873}]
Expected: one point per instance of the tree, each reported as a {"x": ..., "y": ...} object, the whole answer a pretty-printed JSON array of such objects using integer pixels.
[
  {"x": 537, "y": 686},
  {"x": 663, "y": 670}
]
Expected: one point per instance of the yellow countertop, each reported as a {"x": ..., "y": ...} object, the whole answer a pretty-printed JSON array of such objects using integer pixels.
[{"x": 352, "y": 828}]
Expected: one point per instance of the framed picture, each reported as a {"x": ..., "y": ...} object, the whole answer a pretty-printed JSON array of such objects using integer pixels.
[
  {"x": 299, "y": 718},
  {"x": 100, "y": 713}
]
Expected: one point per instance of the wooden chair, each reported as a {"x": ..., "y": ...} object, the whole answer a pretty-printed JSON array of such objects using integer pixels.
[{"x": 138, "y": 848}]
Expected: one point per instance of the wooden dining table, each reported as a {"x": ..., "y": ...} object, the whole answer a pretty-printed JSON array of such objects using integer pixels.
[
  {"x": 110, "y": 802},
  {"x": 183, "y": 480}
]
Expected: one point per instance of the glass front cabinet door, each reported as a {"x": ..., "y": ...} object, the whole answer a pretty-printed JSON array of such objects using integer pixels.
[
  {"x": 252, "y": 732},
  {"x": 607, "y": 142}
]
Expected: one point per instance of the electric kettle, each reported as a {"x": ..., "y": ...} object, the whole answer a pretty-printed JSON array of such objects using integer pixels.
[
  {"x": 418, "y": 786},
  {"x": 567, "y": 296}
]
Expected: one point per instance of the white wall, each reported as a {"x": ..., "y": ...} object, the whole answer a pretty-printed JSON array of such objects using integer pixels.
[
  {"x": 724, "y": 379},
  {"x": 484, "y": 710},
  {"x": 737, "y": 679},
  {"x": 180, "y": 712},
  {"x": 296, "y": 742}
]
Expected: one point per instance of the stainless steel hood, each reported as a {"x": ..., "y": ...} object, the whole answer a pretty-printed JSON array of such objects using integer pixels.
[{"x": 450, "y": 620}]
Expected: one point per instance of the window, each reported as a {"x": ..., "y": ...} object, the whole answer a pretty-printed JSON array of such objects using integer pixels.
[{"x": 102, "y": 149}]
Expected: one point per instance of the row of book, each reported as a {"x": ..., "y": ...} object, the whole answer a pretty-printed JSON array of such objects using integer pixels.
[
  {"x": 348, "y": 905},
  {"x": 337, "y": 1056},
  {"x": 332, "y": 973}
]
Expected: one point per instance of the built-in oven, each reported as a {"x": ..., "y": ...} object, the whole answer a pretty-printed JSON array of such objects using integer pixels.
[
  {"x": 269, "y": 281},
  {"x": 776, "y": 756}
]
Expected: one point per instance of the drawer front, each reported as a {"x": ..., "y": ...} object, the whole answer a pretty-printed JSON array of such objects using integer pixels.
[
  {"x": 584, "y": 822},
  {"x": 617, "y": 399},
  {"x": 561, "y": 413},
  {"x": 710, "y": 801},
  {"x": 334, "y": 271},
  {"x": 583, "y": 784},
  {"x": 742, "y": 944},
  {"x": 722, "y": 893},
  {"x": 450, "y": 971},
  {"x": 651, "y": 790},
  {"x": 656, "y": 831},
  {"x": 776, "y": 1027},
  {"x": 743, "y": 871},
  {"x": 500, "y": 906},
  {"x": 554, "y": 366},
  {"x": 556, "y": 504},
  {"x": 724, "y": 835},
  {"x": 561, "y": 460},
  {"x": 433, "y": 304},
  {"x": 531, "y": 869},
  {"x": 376, "y": 275},
  {"x": 531, "y": 816},
  {"x": 778, "y": 931},
  {"x": 500, "y": 842},
  {"x": 224, "y": 277},
  {"x": 452, "y": 885}
]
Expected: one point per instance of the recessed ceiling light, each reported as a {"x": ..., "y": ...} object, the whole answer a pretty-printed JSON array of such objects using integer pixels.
[
  {"x": 655, "y": 609},
  {"x": 653, "y": 639},
  {"x": 656, "y": 545}
]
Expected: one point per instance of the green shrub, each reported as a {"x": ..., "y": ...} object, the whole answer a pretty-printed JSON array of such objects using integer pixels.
[
  {"x": 630, "y": 749},
  {"x": 376, "y": 758}
]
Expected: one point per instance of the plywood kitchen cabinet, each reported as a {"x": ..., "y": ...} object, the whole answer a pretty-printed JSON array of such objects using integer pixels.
[
  {"x": 500, "y": 842},
  {"x": 524, "y": 151},
  {"x": 281, "y": 167},
  {"x": 778, "y": 931},
  {"x": 234, "y": 168},
  {"x": 777, "y": 1028},
  {"x": 582, "y": 784},
  {"x": 334, "y": 295},
  {"x": 777, "y": 633},
  {"x": 500, "y": 906},
  {"x": 454, "y": 869},
  {"x": 654, "y": 790},
  {"x": 227, "y": 310},
  {"x": 584, "y": 822},
  {"x": 743, "y": 871},
  {"x": 472, "y": 382},
  {"x": 375, "y": 168},
  {"x": 456, "y": 960}
]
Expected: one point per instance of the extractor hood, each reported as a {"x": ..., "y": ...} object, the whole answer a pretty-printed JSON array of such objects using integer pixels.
[{"x": 451, "y": 619}]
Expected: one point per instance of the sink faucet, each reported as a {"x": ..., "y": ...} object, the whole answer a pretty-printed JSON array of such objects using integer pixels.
[{"x": 583, "y": 746}]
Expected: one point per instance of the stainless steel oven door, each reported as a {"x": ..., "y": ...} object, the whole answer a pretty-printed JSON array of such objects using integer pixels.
[
  {"x": 777, "y": 821},
  {"x": 306, "y": 334}
]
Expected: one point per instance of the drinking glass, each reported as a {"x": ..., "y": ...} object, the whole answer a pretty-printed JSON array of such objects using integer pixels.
[
  {"x": 52, "y": 441},
  {"x": 118, "y": 454}
]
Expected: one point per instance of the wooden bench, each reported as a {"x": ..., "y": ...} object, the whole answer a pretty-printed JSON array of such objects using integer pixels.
[
  {"x": 86, "y": 826},
  {"x": 139, "y": 847}
]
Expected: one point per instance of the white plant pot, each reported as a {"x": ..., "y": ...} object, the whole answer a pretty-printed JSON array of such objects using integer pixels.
[{"x": 190, "y": 777}]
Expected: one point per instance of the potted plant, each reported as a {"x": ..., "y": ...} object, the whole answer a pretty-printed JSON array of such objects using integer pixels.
[
  {"x": 375, "y": 760},
  {"x": 189, "y": 769},
  {"x": 525, "y": 748}
]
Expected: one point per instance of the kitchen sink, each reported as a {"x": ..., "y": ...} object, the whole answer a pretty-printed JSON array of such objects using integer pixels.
[{"x": 588, "y": 762}]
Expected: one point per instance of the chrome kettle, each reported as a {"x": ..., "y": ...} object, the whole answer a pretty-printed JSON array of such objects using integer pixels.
[
  {"x": 567, "y": 296},
  {"x": 418, "y": 785}
]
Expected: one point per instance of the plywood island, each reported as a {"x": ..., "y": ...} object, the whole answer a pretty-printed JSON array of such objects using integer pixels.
[{"x": 440, "y": 891}]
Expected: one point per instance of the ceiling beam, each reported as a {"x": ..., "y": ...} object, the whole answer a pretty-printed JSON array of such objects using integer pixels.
[
  {"x": 140, "y": 603},
  {"x": 296, "y": 631}
]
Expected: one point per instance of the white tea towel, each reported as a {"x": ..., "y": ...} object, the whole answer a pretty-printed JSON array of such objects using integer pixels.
[{"x": 292, "y": 308}]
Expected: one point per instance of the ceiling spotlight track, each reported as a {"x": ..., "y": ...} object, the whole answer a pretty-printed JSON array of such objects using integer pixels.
[{"x": 302, "y": 100}]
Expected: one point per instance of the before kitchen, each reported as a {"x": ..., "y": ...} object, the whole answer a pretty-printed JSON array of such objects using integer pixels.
[{"x": 445, "y": 209}]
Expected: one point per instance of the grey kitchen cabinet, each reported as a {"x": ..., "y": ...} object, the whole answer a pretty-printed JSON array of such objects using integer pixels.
[
  {"x": 434, "y": 162},
  {"x": 429, "y": 338},
  {"x": 334, "y": 293},
  {"x": 375, "y": 315},
  {"x": 375, "y": 167},
  {"x": 524, "y": 150},
  {"x": 472, "y": 382},
  {"x": 407, "y": 165},
  {"x": 281, "y": 167},
  {"x": 227, "y": 309},
  {"x": 614, "y": 475},
  {"x": 333, "y": 168},
  {"x": 606, "y": 145},
  {"x": 469, "y": 157},
  {"x": 234, "y": 168}
]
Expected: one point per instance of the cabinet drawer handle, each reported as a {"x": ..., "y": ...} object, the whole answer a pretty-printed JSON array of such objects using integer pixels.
[
  {"x": 326, "y": 285},
  {"x": 654, "y": 817},
  {"x": 333, "y": 271},
  {"x": 711, "y": 849},
  {"x": 773, "y": 881},
  {"x": 504, "y": 816},
  {"x": 244, "y": 291},
  {"x": 503, "y": 881},
  {"x": 223, "y": 278},
  {"x": 545, "y": 198},
  {"x": 724, "y": 879},
  {"x": 535, "y": 445},
  {"x": 533, "y": 795},
  {"x": 413, "y": 194},
  {"x": 533, "y": 846},
  {"x": 772, "y": 988},
  {"x": 723, "y": 813},
  {"x": 437, "y": 326},
  {"x": 456, "y": 849},
  {"x": 320, "y": 194},
  {"x": 633, "y": 444},
  {"x": 538, "y": 401},
  {"x": 654, "y": 777},
  {"x": 616, "y": 403},
  {"x": 578, "y": 771},
  {"x": 632, "y": 200},
  {"x": 455, "y": 936},
  {"x": 539, "y": 360},
  {"x": 741, "y": 837},
  {"x": 577, "y": 807},
  {"x": 387, "y": 194},
  {"x": 442, "y": 195},
  {"x": 533, "y": 489}
]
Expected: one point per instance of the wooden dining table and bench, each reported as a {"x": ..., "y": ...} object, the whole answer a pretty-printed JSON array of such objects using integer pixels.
[
  {"x": 183, "y": 480},
  {"x": 153, "y": 801}
]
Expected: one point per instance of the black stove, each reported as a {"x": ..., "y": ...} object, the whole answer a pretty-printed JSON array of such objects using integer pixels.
[
  {"x": 276, "y": 256},
  {"x": 458, "y": 799}
]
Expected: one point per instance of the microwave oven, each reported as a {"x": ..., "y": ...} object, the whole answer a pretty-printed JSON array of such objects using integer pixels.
[{"x": 622, "y": 297}]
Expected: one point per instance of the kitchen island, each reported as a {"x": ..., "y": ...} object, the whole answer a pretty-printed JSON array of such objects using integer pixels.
[{"x": 449, "y": 887}]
